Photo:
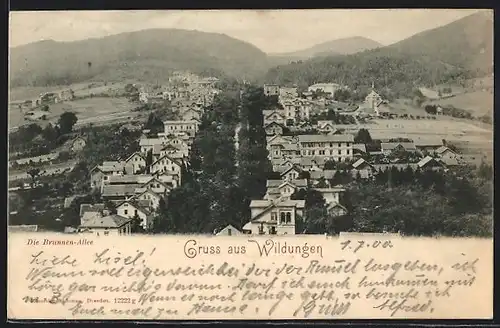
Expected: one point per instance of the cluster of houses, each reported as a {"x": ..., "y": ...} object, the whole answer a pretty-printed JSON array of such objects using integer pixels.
[
  {"x": 135, "y": 185},
  {"x": 183, "y": 88},
  {"x": 296, "y": 109},
  {"x": 46, "y": 98},
  {"x": 300, "y": 162},
  {"x": 72, "y": 146}
]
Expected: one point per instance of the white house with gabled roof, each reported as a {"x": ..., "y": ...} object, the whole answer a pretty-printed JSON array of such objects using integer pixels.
[{"x": 274, "y": 217}]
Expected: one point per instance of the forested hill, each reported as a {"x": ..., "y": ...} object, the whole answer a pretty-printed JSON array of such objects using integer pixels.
[
  {"x": 467, "y": 43},
  {"x": 149, "y": 55},
  {"x": 345, "y": 46},
  {"x": 399, "y": 68}
]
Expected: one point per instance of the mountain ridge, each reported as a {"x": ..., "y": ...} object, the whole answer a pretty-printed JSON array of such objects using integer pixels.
[
  {"x": 50, "y": 62},
  {"x": 341, "y": 46},
  {"x": 454, "y": 52}
]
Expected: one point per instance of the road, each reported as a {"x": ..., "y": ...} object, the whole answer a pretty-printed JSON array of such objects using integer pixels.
[{"x": 52, "y": 169}]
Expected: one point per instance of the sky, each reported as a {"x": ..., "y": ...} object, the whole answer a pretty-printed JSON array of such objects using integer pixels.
[{"x": 273, "y": 31}]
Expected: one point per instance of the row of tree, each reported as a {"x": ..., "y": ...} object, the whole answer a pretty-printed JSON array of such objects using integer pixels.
[
  {"x": 394, "y": 74},
  {"x": 406, "y": 201},
  {"x": 33, "y": 140},
  {"x": 206, "y": 198}
]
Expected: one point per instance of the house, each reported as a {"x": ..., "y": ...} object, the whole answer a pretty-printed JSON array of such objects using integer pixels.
[
  {"x": 428, "y": 145},
  {"x": 144, "y": 194},
  {"x": 191, "y": 114},
  {"x": 361, "y": 164},
  {"x": 88, "y": 211},
  {"x": 274, "y": 128},
  {"x": 326, "y": 126},
  {"x": 119, "y": 192},
  {"x": 365, "y": 169},
  {"x": 397, "y": 166},
  {"x": 290, "y": 151},
  {"x": 292, "y": 173},
  {"x": 167, "y": 165},
  {"x": 229, "y": 230},
  {"x": 317, "y": 176},
  {"x": 175, "y": 127},
  {"x": 274, "y": 217},
  {"x": 75, "y": 145},
  {"x": 147, "y": 144},
  {"x": 275, "y": 141},
  {"x": 337, "y": 147},
  {"x": 100, "y": 174},
  {"x": 295, "y": 110},
  {"x": 110, "y": 225},
  {"x": 178, "y": 152},
  {"x": 309, "y": 164},
  {"x": 324, "y": 87},
  {"x": 157, "y": 186},
  {"x": 283, "y": 189},
  {"x": 288, "y": 92},
  {"x": 331, "y": 195},
  {"x": 271, "y": 89},
  {"x": 336, "y": 209},
  {"x": 66, "y": 95},
  {"x": 136, "y": 208},
  {"x": 389, "y": 147},
  {"x": 359, "y": 149},
  {"x": 129, "y": 179},
  {"x": 277, "y": 116},
  {"x": 446, "y": 154},
  {"x": 373, "y": 99},
  {"x": 136, "y": 162},
  {"x": 429, "y": 162}
]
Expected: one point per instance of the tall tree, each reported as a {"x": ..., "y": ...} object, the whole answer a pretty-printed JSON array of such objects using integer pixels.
[{"x": 66, "y": 122}]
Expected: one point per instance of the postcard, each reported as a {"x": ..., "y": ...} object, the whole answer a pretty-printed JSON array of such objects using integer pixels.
[{"x": 233, "y": 164}]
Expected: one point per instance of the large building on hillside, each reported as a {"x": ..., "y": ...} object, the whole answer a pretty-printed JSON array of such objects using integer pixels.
[
  {"x": 337, "y": 147},
  {"x": 271, "y": 89},
  {"x": 325, "y": 87}
]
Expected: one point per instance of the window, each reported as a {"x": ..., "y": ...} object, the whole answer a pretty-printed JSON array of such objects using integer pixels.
[
  {"x": 331, "y": 144},
  {"x": 339, "y": 152},
  {"x": 106, "y": 233},
  {"x": 229, "y": 232},
  {"x": 125, "y": 212},
  {"x": 135, "y": 212},
  {"x": 288, "y": 217},
  {"x": 348, "y": 144},
  {"x": 282, "y": 217},
  {"x": 274, "y": 216},
  {"x": 340, "y": 145}
]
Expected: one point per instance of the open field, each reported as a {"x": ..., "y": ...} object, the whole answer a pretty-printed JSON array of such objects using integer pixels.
[
  {"x": 80, "y": 89},
  {"x": 478, "y": 102},
  {"x": 45, "y": 170},
  {"x": 429, "y": 131},
  {"x": 87, "y": 110}
]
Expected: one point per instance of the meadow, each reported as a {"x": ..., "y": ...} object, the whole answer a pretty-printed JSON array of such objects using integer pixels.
[
  {"x": 478, "y": 102},
  {"x": 87, "y": 110}
]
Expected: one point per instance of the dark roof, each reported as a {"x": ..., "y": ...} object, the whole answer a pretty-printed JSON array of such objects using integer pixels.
[
  {"x": 119, "y": 190},
  {"x": 110, "y": 221},
  {"x": 326, "y": 138},
  {"x": 91, "y": 208}
]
